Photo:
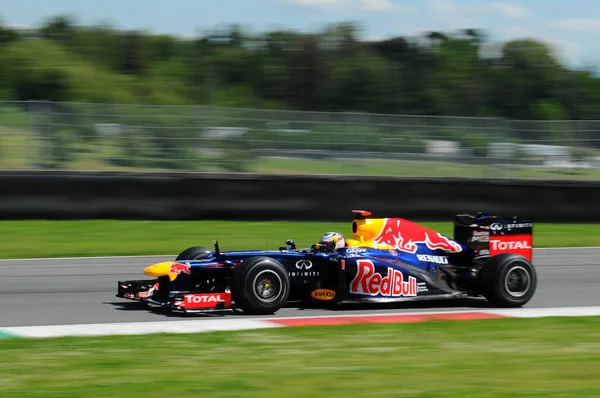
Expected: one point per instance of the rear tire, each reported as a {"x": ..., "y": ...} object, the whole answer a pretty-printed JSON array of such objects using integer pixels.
[
  {"x": 194, "y": 253},
  {"x": 508, "y": 280},
  {"x": 260, "y": 286}
]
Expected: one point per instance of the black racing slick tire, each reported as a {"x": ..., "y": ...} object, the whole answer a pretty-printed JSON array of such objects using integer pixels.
[
  {"x": 260, "y": 286},
  {"x": 194, "y": 253},
  {"x": 508, "y": 280}
]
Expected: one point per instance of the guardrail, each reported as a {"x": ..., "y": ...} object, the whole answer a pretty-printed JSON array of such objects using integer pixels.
[{"x": 197, "y": 196}]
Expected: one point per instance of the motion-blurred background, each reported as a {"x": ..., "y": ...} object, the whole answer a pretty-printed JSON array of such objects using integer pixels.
[
  {"x": 378, "y": 87},
  {"x": 404, "y": 88}
]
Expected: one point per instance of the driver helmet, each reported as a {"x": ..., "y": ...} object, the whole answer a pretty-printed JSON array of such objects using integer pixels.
[{"x": 333, "y": 239}]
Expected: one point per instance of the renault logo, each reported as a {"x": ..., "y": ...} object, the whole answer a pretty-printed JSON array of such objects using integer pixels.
[{"x": 304, "y": 264}]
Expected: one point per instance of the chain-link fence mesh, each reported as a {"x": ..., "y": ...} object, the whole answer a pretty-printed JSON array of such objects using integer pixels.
[{"x": 79, "y": 136}]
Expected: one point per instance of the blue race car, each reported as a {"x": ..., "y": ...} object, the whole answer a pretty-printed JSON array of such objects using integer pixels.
[{"x": 388, "y": 259}]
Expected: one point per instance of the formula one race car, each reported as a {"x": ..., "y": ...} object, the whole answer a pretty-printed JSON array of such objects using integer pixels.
[{"x": 388, "y": 259}]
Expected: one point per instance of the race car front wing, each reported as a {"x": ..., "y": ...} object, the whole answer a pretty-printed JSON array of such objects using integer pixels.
[{"x": 147, "y": 291}]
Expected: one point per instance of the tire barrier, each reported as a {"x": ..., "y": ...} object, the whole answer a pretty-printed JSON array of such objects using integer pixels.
[{"x": 62, "y": 195}]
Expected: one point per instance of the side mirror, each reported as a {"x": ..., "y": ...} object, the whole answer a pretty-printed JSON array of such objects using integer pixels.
[{"x": 291, "y": 243}]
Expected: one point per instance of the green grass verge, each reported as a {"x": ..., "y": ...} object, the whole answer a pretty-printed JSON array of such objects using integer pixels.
[
  {"x": 551, "y": 357},
  {"x": 414, "y": 168},
  {"x": 104, "y": 237}
]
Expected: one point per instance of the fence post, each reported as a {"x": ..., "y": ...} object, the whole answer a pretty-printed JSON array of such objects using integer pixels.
[
  {"x": 29, "y": 150},
  {"x": 35, "y": 152}
]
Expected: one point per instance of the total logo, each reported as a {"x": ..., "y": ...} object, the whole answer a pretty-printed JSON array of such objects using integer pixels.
[
  {"x": 432, "y": 259},
  {"x": 499, "y": 245},
  {"x": 209, "y": 298},
  {"x": 205, "y": 300},
  {"x": 372, "y": 283},
  {"x": 518, "y": 244}
]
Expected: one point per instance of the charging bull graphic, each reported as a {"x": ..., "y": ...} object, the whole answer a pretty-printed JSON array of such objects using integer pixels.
[
  {"x": 177, "y": 268},
  {"x": 405, "y": 235}
]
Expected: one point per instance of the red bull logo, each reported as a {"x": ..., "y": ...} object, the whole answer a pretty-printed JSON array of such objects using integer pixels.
[
  {"x": 372, "y": 283},
  {"x": 405, "y": 235},
  {"x": 178, "y": 268}
]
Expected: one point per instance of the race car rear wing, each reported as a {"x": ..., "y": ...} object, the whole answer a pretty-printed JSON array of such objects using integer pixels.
[{"x": 490, "y": 235}]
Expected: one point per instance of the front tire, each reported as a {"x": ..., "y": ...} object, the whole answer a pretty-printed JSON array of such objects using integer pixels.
[
  {"x": 194, "y": 253},
  {"x": 508, "y": 280},
  {"x": 260, "y": 286}
]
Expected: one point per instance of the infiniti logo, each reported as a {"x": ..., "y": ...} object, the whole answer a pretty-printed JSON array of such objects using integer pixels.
[
  {"x": 304, "y": 264},
  {"x": 496, "y": 226}
]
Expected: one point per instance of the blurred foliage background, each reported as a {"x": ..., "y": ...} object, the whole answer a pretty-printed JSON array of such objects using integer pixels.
[{"x": 436, "y": 73}]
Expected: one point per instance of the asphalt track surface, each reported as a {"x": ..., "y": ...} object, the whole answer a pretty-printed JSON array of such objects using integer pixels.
[{"x": 82, "y": 290}]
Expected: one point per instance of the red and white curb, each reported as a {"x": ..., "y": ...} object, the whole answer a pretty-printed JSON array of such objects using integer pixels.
[{"x": 227, "y": 324}]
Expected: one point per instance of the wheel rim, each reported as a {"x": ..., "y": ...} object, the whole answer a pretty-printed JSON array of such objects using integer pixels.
[
  {"x": 267, "y": 286},
  {"x": 517, "y": 281}
]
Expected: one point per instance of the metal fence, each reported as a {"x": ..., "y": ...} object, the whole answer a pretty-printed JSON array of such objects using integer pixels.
[{"x": 81, "y": 136}]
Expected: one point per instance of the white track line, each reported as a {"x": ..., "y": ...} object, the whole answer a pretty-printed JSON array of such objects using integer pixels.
[
  {"x": 136, "y": 328},
  {"x": 546, "y": 312},
  {"x": 198, "y": 326}
]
